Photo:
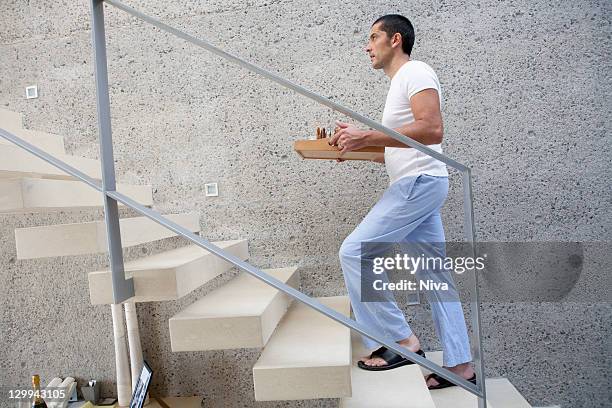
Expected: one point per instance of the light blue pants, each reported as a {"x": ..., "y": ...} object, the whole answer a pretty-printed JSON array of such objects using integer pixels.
[{"x": 408, "y": 211}]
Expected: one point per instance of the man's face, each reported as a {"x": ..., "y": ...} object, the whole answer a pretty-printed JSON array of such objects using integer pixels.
[{"x": 379, "y": 47}]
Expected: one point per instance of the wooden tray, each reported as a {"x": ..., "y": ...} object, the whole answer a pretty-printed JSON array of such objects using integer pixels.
[{"x": 320, "y": 149}]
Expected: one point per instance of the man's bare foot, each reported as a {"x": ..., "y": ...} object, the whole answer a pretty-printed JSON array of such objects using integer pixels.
[
  {"x": 464, "y": 370},
  {"x": 364, "y": 358},
  {"x": 411, "y": 343}
]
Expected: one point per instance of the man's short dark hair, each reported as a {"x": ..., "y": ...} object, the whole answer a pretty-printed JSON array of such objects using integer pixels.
[{"x": 395, "y": 23}]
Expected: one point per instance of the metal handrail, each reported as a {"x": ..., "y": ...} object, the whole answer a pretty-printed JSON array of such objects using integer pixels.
[
  {"x": 123, "y": 288},
  {"x": 236, "y": 261}
]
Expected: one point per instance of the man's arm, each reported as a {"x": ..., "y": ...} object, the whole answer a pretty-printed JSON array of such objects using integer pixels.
[{"x": 427, "y": 127}]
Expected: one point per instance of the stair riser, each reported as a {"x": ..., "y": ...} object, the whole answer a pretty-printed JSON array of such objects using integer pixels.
[
  {"x": 303, "y": 383},
  {"x": 39, "y": 195},
  {"x": 199, "y": 334},
  {"x": 50, "y": 143},
  {"x": 18, "y": 163},
  {"x": 10, "y": 120},
  {"x": 307, "y": 357},
  {"x": 90, "y": 237}
]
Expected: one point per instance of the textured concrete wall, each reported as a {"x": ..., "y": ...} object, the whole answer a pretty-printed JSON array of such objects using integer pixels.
[{"x": 526, "y": 102}]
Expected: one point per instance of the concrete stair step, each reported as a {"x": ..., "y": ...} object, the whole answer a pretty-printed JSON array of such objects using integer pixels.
[
  {"x": 500, "y": 392},
  {"x": 240, "y": 314},
  {"x": 90, "y": 237},
  {"x": 10, "y": 120},
  {"x": 48, "y": 142},
  {"x": 402, "y": 387},
  {"x": 308, "y": 356},
  {"x": 36, "y": 195},
  {"x": 16, "y": 162},
  {"x": 451, "y": 397},
  {"x": 168, "y": 275}
]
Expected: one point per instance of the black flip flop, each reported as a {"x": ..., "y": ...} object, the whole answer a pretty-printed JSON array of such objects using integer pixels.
[
  {"x": 393, "y": 360},
  {"x": 443, "y": 382}
]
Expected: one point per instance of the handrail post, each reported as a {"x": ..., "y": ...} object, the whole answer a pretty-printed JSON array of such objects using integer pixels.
[
  {"x": 123, "y": 288},
  {"x": 470, "y": 237}
]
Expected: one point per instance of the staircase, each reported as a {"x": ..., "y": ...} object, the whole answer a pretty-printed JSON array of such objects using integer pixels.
[{"x": 305, "y": 355}]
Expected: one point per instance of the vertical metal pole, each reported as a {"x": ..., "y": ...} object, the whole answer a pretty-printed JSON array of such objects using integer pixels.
[
  {"x": 123, "y": 289},
  {"x": 470, "y": 236},
  {"x": 415, "y": 298},
  {"x": 122, "y": 366}
]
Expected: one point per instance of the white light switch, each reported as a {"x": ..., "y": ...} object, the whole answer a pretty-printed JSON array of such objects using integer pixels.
[
  {"x": 211, "y": 189},
  {"x": 32, "y": 92}
]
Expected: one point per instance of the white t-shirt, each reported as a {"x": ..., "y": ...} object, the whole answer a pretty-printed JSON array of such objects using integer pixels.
[{"x": 411, "y": 78}]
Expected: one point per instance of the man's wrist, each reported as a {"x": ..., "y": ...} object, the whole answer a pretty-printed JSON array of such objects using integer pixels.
[
  {"x": 376, "y": 138},
  {"x": 373, "y": 138}
]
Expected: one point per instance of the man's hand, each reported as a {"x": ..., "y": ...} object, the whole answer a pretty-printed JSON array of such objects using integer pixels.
[{"x": 348, "y": 138}]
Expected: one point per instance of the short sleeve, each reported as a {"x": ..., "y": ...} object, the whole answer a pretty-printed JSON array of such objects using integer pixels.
[{"x": 420, "y": 77}]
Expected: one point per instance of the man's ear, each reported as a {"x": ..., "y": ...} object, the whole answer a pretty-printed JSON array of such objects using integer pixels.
[{"x": 396, "y": 40}]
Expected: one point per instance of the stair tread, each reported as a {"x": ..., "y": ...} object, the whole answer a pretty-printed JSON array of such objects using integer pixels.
[
  {"x": 398, "y": 388},
  {"x": 308, "y": 356},
  {"x": 500, "y": 392},
  {"x": 244, "y": 295}
]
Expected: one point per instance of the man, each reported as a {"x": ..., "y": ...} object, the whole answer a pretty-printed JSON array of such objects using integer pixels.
[{"x": 409, "y": 210}]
